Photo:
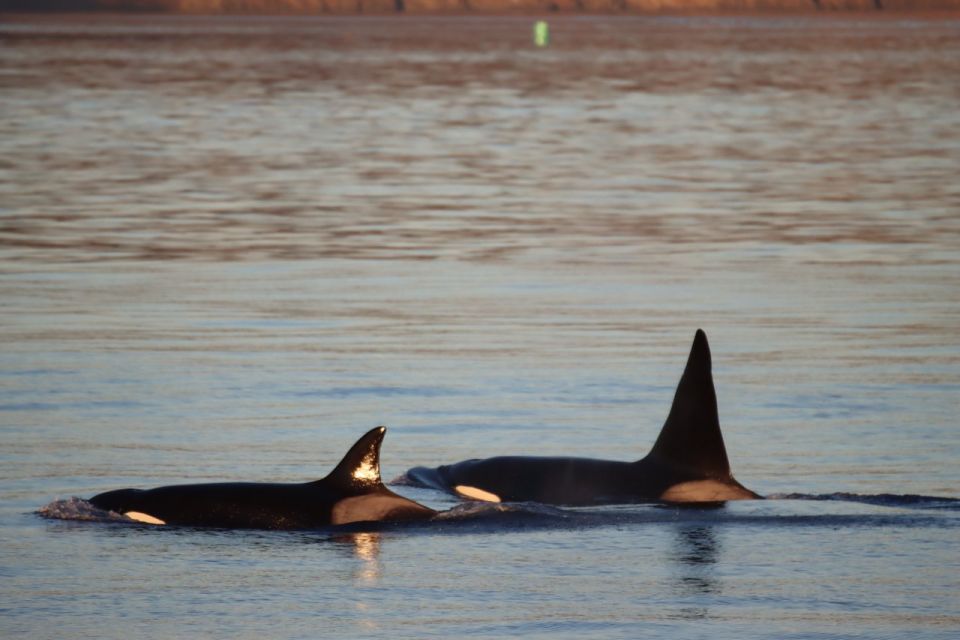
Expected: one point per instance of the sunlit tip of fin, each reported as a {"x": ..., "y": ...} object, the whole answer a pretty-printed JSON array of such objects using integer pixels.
[
  {"x": 476, "y": 494},
  {"x": 143, "y": 517}
]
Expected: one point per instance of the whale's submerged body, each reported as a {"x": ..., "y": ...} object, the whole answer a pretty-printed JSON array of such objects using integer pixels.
[
  {"x": 352, "y": 492},
  {"x": 688, "y": 462}
]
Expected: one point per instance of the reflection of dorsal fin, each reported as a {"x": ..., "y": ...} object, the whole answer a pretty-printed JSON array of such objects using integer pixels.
[
  {"x": 360, "y": 468},
  {"x": 691, "y": 437}
]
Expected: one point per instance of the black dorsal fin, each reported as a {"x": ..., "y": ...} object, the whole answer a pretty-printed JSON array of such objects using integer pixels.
[
  {"x": 360, "y": 468},
  {"x": 691, "y": 437}
]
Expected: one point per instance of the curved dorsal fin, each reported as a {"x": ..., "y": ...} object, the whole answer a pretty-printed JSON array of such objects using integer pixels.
[
  {"x": 360, "y": 468},
  {"x": 690, "y": 438}
]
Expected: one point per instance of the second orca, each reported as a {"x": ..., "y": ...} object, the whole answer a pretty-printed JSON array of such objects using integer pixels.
[{"x": 688, "y": 462}]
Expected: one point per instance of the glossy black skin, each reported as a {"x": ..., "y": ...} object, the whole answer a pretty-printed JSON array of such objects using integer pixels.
[
  {"x": 256, "y": 505},
  {"x": 688, "y": 463},
  {"x": 564, "y": 481},
  {"x": 340, "y": 498}
]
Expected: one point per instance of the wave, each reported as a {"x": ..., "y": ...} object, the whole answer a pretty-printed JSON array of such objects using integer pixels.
[
  {"x": 80, "y": 510},
  {"x": 904, "y": 500},
  {"x": 480, "y": 517}
]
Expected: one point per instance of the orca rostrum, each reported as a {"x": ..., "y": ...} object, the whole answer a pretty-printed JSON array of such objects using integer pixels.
[
  {"x": 352, "y": 492},
  {"x": 688, "y": 462}
]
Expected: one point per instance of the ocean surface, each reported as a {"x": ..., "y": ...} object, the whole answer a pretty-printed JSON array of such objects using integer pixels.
[{"x": 230, "y": 246}]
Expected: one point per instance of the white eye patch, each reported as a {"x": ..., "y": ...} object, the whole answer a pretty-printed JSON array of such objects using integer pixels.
[
  {"x": 143, "y": 517},
  {"x": 474, "y": 493}
]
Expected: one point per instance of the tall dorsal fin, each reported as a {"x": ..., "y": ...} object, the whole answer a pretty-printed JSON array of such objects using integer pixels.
[
  {"x": 691, "y": 437},
  {"x": 360, "y": 468}
]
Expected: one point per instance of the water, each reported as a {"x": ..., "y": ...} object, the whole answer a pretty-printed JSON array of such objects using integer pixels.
[{"x": 230, "y": 246}]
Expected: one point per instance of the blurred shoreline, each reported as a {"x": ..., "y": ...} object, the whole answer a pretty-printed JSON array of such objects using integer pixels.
[{"x": 306, "y": 7}]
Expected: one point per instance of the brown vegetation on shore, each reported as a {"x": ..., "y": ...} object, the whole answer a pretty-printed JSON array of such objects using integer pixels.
[{"x": 474, "y": 6}]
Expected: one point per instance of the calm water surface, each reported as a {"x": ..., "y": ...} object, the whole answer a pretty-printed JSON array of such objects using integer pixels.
[{"x": 228, "y": 247}]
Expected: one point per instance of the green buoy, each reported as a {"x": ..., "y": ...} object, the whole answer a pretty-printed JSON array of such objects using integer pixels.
[{"x": 541, "y": 33}]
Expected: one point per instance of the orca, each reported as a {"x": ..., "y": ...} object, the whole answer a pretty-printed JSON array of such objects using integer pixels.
[
  {"x": 352, "y": 492},
  {"x": 688, "y": 462}
]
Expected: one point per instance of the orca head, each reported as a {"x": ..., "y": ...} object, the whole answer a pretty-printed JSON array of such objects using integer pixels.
[
  {"x": 126, "y": 502},
  {"x": 118, "y": 501}
]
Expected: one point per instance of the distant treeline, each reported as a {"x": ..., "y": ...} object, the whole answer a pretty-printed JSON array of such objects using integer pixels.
[{"x": 468, "y": 6}]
